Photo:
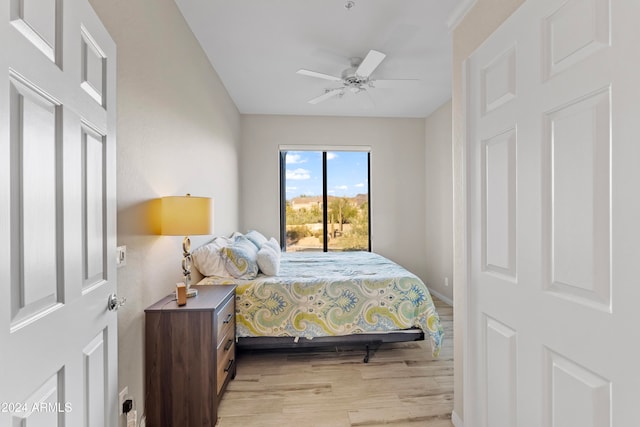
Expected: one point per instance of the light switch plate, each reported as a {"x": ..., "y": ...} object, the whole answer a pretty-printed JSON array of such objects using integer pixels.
[{"x": 121, "y": 257}]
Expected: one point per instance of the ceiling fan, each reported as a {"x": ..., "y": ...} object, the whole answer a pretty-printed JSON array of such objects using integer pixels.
[{"x": 356, "y": 78}]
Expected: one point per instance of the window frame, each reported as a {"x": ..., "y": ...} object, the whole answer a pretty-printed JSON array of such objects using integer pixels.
[{"x": 282, "y": 153}]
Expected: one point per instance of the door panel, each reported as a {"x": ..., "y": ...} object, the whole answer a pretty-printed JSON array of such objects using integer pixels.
[
  {"x": 575, "y": 395},
  {"x": 39, "y": 21},
  {"x": 94, "y": 205},
  {"x": 499, "y": 204},
  {"x": 499, "y": 81},
  {"x": 577, "y": 145},
  {"x": 95, "y": 383},
  {"x": 93, "y": 66},
  {"x": 572, "y": 32},
  {"x": 501, "y": 379},
  {"x": 57, "y": 216},
  {"x": 552, "y": 120},
  {"x": 29, "y": 412},
  {"x": 35, "y": 150}
]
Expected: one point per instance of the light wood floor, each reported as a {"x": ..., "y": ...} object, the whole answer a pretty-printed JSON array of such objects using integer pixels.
[{"x": 402, "y": 385}]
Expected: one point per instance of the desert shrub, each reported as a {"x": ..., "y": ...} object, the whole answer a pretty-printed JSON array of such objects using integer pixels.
[{"x": 297, "y": 232}]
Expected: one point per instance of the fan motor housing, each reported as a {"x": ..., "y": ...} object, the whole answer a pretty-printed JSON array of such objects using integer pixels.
[{"x": 350, "y": 77}]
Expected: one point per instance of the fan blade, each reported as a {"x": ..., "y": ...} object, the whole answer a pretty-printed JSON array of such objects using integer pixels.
[
  {"x": 370, "y": 63},
  {"x": 318, "y": 75},
  {"x": 329, "y": 94},
  {"x": 393, "y": 83}
]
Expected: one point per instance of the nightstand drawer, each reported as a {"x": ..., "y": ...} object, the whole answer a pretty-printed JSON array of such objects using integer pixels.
[
  {"x": 225, "y": 317},
  {"x": 225, "y": 356}
]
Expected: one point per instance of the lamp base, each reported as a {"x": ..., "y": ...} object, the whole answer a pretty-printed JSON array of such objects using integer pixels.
[{"x": 192, "y": 293}]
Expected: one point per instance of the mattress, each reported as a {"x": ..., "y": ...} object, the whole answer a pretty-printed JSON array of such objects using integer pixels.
[{"x": 319, "y": 294}]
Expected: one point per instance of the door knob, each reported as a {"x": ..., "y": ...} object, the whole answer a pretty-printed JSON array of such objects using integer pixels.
[{"x": 114, "y": 303}]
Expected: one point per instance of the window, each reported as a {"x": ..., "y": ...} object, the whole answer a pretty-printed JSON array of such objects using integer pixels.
[{"x": 324, "y": 200}]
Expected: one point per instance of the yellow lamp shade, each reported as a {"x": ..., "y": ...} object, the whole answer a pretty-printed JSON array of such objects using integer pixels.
[{"x": 186, "y": 215}]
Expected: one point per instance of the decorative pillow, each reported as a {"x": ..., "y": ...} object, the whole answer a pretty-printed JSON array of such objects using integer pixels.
[
  {"x": 256, "y": 238},
  {"x": 268, "y": 260},
  {"x": 208, "y": 260},
  {"x": 273, "y": 243},
  {"x": 240, "y": 258}
]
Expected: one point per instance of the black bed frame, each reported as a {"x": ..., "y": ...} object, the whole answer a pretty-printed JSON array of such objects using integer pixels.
[{"x": 371, "y": 341}]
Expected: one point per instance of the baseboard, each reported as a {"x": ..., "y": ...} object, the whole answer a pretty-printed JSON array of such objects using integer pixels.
[
  {"x": 455, "y": 419},
  {"x": 442, "y": 297}
]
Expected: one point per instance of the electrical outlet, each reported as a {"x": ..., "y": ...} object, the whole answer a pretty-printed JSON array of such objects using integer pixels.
[
  {"x": 446, "y": 282},
  {"x": 122, "y": 397},
  {"x": 121, "y": 259}
]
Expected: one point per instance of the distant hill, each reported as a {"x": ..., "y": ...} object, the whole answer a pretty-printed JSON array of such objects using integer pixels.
[{"x": 306, "y": 202}]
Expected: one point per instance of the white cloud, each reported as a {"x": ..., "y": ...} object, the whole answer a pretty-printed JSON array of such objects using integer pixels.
[
  {"x": 291, "y": 189},
  {"x": 293, "y": 159},
  {"x": 331, "y": 156},
  {"x": 359, "y": 185},
  {"x": 298, "y": 174},
  {"x": 342, "y": 187}
]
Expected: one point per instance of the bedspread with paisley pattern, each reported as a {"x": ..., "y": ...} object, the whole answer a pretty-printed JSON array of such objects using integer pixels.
[{"x": 333, "y": 293}]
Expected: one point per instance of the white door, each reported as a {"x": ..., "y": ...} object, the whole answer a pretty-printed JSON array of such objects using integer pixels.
[
  {"x": 58, "y": 341},
  {"x": 553, "y": 178}
]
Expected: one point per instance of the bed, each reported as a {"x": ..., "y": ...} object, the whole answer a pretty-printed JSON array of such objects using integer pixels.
[{"x": 321, "y": 298}]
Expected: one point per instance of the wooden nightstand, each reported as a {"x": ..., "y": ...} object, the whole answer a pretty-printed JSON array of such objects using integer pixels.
[{"x": 190, "y": 357}]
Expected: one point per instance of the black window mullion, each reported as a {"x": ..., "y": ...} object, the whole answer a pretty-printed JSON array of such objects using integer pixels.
[
  {"x": 283, "y": 200},
  {"x": 369, "y": 198},
  {"x": 325, "y": 207}
]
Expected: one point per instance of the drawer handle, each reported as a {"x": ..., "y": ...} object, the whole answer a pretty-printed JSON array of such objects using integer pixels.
[
  {"x": 228, "y": 368},
  {"x": 228, "y": 345},
  {"x": 229, "y": 317}
]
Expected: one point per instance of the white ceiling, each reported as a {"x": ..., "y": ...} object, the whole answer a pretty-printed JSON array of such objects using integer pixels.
[{"x": 256, "y": 47}]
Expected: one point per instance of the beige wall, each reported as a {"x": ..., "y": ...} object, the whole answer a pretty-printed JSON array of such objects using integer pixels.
[
  {"x": 178, "y": 132},
  {"x": 397, "y": 176},
  {"x": 477, "y": 25},
  {"x": 439, "y": 202}
]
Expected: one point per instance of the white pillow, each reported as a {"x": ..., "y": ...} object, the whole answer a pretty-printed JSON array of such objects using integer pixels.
[
  {"x": 273, "y": 244},
  {"x": 268, "y": 260},
  {"x": 256, "y": 238},
  {"x": 208, "y": 260}
]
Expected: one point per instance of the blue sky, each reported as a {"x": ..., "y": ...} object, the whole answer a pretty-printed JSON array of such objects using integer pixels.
[{"x": 346, "y": 173}]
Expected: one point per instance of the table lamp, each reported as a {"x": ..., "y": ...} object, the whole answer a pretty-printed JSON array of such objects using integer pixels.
[{"x": 186, "y": 216}]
